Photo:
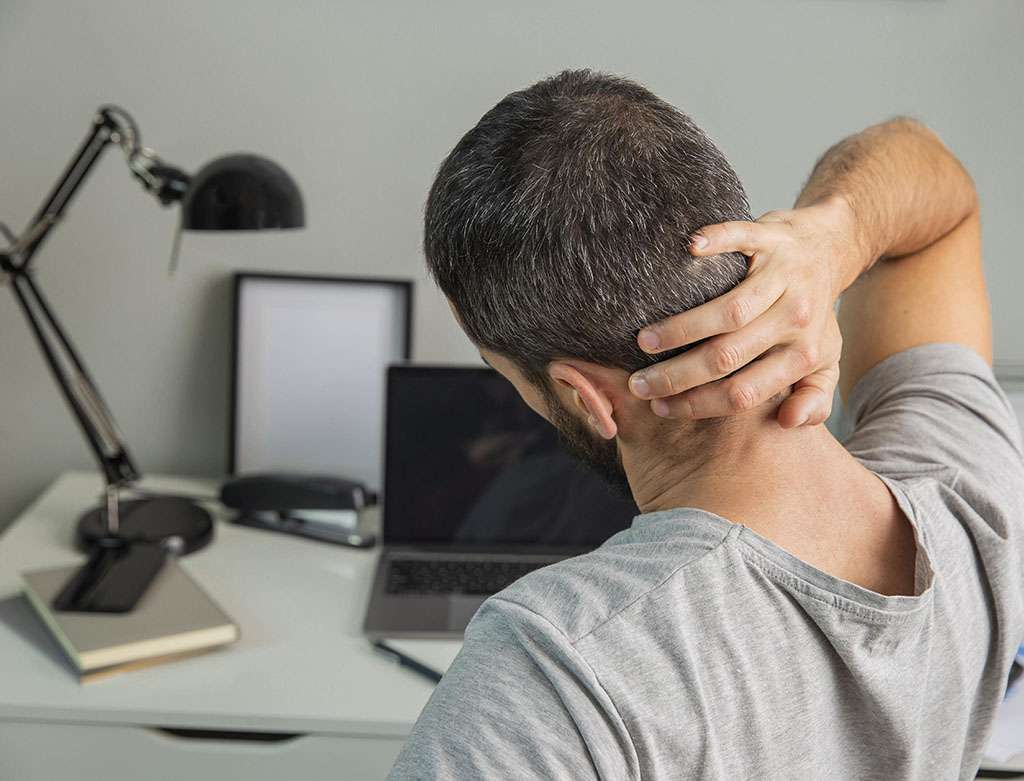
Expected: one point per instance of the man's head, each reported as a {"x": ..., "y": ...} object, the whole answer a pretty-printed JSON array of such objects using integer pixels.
[{"x": 559, "y": 226}]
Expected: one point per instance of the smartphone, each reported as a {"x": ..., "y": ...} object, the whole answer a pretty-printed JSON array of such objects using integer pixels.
[{"x": 113, "y": 579}]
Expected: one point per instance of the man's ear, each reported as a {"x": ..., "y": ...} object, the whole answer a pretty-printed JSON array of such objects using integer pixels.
[{"x": 585, "y": 397}]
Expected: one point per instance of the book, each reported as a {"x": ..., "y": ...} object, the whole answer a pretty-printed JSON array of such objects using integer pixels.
[{"x": 174, "y": 619}]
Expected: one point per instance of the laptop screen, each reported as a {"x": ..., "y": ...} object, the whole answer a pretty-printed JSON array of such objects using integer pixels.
[{"x": 468, "y": 463}]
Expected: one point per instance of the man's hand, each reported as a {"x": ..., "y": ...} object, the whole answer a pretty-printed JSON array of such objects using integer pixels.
[{"x": 774, "y": 331}]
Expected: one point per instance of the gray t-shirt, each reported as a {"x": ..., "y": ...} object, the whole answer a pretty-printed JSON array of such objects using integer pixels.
[{"x": 690, "y": 647}]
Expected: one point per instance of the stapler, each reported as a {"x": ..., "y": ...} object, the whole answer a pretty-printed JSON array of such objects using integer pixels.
[{"x": 322, "y": 507}]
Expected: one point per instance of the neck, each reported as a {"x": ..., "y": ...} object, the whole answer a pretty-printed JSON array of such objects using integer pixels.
[
  {"x": 753, "y": 472},
  {"x": 798, "y": 488}
]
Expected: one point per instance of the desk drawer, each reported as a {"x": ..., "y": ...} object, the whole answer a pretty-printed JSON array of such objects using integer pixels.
[{"x": 32, "y": 751}]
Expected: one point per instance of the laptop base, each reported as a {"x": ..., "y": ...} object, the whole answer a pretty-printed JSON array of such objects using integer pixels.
[{"x": 428, "y": 616}]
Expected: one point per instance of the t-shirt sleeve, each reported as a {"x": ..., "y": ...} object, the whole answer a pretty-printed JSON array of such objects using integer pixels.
[
  {"x": 517, "y": 702},
  {"x": 936, "y": 410}
]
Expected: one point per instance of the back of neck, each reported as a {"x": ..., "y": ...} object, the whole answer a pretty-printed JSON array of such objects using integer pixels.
[{"x": 798, "y": 488}]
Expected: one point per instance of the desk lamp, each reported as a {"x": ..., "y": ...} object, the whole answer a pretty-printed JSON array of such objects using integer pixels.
[{"x": 236, "y": 192}]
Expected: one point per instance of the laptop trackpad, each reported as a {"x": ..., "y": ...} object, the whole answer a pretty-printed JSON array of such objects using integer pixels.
[{"x": 461, "y": 609}]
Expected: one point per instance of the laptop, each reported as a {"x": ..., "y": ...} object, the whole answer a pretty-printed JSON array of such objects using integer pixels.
[{"x": 478, "y": 491}]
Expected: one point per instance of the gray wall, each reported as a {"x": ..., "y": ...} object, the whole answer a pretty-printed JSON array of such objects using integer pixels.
[{"x": 360, "y": 101}]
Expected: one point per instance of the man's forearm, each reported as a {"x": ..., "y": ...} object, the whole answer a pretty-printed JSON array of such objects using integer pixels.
[{"x": 904, "y": 188}]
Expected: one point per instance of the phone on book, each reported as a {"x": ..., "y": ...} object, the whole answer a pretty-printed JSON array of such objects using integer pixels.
[{"x": 113, "y": 579}]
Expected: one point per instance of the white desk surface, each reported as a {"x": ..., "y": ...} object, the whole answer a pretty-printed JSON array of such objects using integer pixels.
[{"x": 301, "y": 665}]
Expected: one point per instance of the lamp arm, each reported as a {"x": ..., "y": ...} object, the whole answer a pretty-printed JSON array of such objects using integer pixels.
[
  {"x": 72, "y": 377},
  {"x": 110, "y": 125},
  {"x": 77, "y": 387},
  {"x": 100, "y": 135}
]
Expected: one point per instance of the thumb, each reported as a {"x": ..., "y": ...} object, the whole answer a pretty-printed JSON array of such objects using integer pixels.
[{"x": 810, "y": 403}]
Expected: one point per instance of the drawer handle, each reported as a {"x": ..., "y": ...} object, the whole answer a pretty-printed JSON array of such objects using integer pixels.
[{"x": 248, "y": 736}]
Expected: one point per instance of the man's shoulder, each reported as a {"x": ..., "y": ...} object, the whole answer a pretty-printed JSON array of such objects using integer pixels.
[
  {"x": 579, "y": 594},
  {"x": 937, "y": 411}
]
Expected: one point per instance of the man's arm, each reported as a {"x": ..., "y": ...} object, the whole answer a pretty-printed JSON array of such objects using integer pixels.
[
  {"x": 892, "y": 192},
  {"x": 915, "y": 209}
]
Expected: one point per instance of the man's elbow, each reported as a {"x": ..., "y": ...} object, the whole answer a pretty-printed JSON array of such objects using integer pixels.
[{"x": 966, "y": 190}]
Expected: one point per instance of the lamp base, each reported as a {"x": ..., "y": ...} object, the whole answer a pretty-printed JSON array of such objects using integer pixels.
[{"x": 151, "y": 520}]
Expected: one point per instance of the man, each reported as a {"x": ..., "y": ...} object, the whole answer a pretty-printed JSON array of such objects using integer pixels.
[{"x": 784, "y": 607}]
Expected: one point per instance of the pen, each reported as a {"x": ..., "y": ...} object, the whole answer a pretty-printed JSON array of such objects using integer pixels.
[{"x": 408, "y": 662}]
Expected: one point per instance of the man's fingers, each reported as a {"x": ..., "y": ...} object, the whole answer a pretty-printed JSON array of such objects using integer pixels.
[
  {"x": 737, "y": 236},
  {"x": 807, "y": 406},
  {"x": 741, "y": 392},
  {"x": 811, "y": 400},
  {"x": 716, "y": 358},
  {"x": 729, "y": 312}
]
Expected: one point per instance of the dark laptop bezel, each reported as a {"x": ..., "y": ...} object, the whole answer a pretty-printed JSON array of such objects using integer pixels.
[
  {"x": 386, "y": 535},
  {"x": 442, "y": 547}
]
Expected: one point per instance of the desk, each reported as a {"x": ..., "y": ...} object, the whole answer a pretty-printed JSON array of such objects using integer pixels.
[{"x": 301, "y": 669}]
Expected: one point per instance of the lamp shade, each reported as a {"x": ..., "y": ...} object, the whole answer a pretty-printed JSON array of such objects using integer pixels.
[{"x": 242, "y": 192}]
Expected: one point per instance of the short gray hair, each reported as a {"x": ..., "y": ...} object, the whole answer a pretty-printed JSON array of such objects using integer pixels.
[{"x": 559, "y": 226}]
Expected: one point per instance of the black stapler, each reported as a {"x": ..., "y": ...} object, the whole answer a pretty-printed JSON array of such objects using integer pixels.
[{"x": 322, "y": 507}]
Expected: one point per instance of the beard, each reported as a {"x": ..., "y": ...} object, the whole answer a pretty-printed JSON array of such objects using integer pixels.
[{"x": 600, "y": 455}]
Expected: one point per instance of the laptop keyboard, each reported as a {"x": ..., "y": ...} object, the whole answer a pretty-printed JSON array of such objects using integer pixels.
[{"x": 455, "y": 576}]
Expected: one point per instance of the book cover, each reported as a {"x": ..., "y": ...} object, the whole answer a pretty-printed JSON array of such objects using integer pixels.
[{"x": 175, "y": 618}]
